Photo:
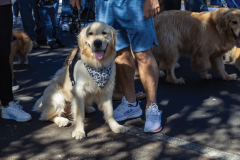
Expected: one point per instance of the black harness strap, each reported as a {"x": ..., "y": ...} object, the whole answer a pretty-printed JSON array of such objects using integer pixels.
[{"x": 72, "y": 65}]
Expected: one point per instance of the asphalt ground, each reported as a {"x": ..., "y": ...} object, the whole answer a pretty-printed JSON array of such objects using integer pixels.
[{"x": 201, "y": 119}]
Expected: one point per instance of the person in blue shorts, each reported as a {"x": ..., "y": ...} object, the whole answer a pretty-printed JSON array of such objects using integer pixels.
[{"x": 133, "y": 20}]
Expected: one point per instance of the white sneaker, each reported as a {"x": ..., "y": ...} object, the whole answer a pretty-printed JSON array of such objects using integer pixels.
[
  {"x": 65, "y": 27},
  {"x": 15, "y": 85},
  {"x": 125, "y": 110},
  {"x": 153, "y": 119},
  {"x": 15, "y": 112}
]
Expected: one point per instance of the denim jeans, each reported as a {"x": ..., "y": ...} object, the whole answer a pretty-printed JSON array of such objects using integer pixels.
[
  {"x": 192, "y": 5},
  {"x": 66, "y": 11},
  {"x": 49, "y": 16},
  {"x": 16, "y": 9},
  {"x": 29, "y": 25}
]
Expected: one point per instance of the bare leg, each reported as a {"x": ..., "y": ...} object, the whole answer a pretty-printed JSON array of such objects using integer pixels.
[
  {"x": 117, "y": 93},
  {"x": 148, "y": 71},
  {"x": 125, "y": 71}
]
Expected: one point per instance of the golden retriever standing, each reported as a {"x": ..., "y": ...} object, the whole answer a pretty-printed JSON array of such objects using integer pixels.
[
  {"x": 21, "y": 46},
  {"x": 204, "y": 37},
  {"x": 97, "y": 42}
]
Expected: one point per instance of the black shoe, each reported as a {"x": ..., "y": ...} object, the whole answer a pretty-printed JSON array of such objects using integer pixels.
[
  {"x": 42, "y": 41},
  {"x": 60, "y": 42},
  {"x": 52, "y": 44},
  {"x": 15, "y": 85}
]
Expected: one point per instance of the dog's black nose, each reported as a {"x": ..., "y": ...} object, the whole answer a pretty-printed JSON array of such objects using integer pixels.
[{"x": 97, "y": 43}]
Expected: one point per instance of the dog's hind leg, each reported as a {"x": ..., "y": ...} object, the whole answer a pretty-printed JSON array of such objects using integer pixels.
[
  {"x": 171, "y": 76},
  {"x": 20, "y": 56},
  {"x": 53, "y": 106},
  {"x": 202, "y": 65},
  {"x": 107, "y": 109},
  {"x": 218, "y": 66},
  {"x": 168, "y": 59},
  {"x": 25, "y": 57},
  {"x": 79, "y": 116}
]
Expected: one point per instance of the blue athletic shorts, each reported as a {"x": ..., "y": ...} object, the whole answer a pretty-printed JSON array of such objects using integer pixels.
[{"x": 126, "y": 16}]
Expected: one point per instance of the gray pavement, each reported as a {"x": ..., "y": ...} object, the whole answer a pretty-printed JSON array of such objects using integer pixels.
[{"x": 201, "y": 119}]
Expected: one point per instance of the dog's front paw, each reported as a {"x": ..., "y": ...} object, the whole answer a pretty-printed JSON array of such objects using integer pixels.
[
  {"x": 78, "y": 134},
  {"x": 119, "y": 129},
  {"x": 61, "y": 121},
  {"x": 231, "y": 77},
  {"x": 161, "y": 73},
  {"x": 207, "y": 76},
  {"x": 90, "y": 109},
  {"x": 176, "y": 81}
]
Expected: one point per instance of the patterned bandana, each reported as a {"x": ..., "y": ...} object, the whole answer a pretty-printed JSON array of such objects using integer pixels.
[{"x": 99, "y": 76}]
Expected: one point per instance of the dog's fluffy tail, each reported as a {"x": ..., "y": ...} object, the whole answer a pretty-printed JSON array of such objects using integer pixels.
[
  {"x": 38, "y": 105},
  {"x": 58, "y": 73}
]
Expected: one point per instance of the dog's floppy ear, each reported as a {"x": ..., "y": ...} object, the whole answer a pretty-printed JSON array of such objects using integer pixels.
[
  {"x": 81, "y": 38},
  {"x": 223, "y": 20},
  {"x": 114, "y": 35}
]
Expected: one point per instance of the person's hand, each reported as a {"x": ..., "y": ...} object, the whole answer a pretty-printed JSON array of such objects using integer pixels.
[
  {"x": 77, "y": 2},
  {"x": 150, "y": 8}
]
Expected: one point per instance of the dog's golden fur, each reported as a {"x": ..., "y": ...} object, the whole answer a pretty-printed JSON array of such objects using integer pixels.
[
  {"x": 61, "y": 96},
  {"x": 21, "y": 46},
  {"x": 233, "y": 57},
  {"x": 204, "y": 37}
]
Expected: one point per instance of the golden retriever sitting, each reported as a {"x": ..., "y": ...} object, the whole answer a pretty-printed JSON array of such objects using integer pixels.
[
  {"x": 204, "y": 37},
  {"x": 21, "y": 46},
  {"x": 97, "y": 43},
  {"x": 233, "y": 57}
]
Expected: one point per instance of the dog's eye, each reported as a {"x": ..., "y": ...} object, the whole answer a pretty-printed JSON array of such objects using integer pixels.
[
  {"x": 234, "y": 22},
  {"x": 104, "y": 32},
  {"x": 90, "y": 33}
]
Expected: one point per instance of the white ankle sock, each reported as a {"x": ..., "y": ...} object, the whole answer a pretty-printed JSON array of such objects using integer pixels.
[{"x": 134, "y": 104}]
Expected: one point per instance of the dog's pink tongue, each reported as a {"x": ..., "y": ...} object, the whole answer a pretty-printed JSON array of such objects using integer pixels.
[{"x": 98, "y": 54}]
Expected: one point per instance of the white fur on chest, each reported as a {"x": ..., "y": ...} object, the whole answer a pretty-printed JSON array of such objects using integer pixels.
[{"x": 85, "y": 86}]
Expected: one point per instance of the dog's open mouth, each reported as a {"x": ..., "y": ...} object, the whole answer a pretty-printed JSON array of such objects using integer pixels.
[
  {"x": 237, "y": 40},
  {"x": 98, "y": 54}
]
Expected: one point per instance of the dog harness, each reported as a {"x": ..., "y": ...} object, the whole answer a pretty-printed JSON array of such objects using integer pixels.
[{"x": 99, "y": 76}]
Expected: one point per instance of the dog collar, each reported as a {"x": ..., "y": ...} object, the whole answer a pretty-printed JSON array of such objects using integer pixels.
[{"x": 99, "y": 76}]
